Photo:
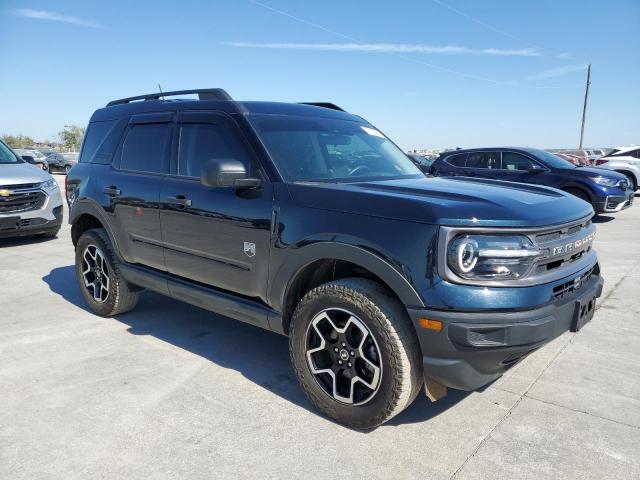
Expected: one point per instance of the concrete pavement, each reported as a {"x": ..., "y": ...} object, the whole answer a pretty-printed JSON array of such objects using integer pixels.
[{"x": 172, "y": 391}]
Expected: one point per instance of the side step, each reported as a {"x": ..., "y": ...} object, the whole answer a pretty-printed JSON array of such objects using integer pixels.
[{"x": 223, "y": 303}]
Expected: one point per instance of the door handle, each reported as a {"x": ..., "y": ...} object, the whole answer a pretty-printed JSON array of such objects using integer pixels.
[
  {"x": 179, "y": 200},
  {"x": 112, "y": 191}
]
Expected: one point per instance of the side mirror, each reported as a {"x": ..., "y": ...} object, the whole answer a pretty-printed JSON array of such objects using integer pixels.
[
  {"x": 227, "y": 172},
  {"x": 28, "y": 159}
]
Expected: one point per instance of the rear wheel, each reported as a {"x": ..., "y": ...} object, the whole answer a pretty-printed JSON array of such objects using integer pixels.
[
  {"x": 355, "y": 352},
  {"x": 99, "y": 277}
]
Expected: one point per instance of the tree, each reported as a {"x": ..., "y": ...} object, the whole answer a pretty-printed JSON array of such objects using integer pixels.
[
  {"x": 71, "y": 137},
  {"x": 17, "y": 141}
]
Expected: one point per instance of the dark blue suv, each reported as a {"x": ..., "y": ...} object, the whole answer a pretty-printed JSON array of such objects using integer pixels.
[
  {"x": 308, "y": 221},
  {"x": 606, "y": 191}
]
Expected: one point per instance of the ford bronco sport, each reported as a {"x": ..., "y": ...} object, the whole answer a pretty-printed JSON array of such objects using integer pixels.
[{"x": 306, "y": 220}]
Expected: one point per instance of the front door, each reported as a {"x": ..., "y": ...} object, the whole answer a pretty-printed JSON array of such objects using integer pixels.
[
  {"x": 216, "y": 236},
  {"x": 517, "y": 167}
]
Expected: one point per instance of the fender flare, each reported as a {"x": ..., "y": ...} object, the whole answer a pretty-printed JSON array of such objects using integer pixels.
[
  {"x": 374, "y": 263},
  {"x": 91, "y": 207}
]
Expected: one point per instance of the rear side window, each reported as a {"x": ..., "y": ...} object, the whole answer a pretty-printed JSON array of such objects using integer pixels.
[
  {"x": 200, "y": 142},
  {"x": 489, "y": 160},
  {"x": 96, "y": 134},
  {"x": 458, "y": 160},
  {"x": 146, "y": 148}
]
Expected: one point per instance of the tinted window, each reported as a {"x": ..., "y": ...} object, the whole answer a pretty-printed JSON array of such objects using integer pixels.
[
  {"x": 145, "y": 148},
  {"x": 484, "y": 160},
  {"x": 515, "y": 161},
  {"x": 458, "y": 160},
  {"x": 328, "y": 149},
  {"x": 200, "y": 142},
  {"x": 96, "y": 133}
]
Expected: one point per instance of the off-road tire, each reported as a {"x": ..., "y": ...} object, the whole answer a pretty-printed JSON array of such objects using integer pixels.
[
  {"x": 401, "y": 357},
  {"x": 122, "y": 295}
]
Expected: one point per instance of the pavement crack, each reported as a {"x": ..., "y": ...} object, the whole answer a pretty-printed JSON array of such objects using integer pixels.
[{"x": 582, "y": 411}]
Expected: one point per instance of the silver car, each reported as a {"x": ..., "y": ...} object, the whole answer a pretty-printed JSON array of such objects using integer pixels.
[{"x": 30, "y": 199}]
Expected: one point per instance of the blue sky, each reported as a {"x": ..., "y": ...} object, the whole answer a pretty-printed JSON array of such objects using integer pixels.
[{"x": 429, "y": 73}]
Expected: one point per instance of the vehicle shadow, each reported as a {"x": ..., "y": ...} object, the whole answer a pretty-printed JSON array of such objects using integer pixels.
[
  {"x": 24, "y": 240},
  {"x": 259, "y": 355},
  {"x": 602, "y": 219}
]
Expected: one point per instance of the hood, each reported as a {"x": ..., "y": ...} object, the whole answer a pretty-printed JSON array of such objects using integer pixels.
[
  {"x": 598, "y": 172},
  {"x": 17, "y": 173},
  {"x": 446, "y": 201}
]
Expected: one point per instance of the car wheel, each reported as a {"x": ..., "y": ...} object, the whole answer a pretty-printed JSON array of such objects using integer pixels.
[
  {"x": 578, "y": 193},
  {"x": 355, "y": 352},
  {"x": 99, "y": 277}
]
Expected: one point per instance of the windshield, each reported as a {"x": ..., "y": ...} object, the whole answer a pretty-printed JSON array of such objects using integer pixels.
[
  {"x": 552, "y": 160},
  {"x": 7, "y": 156},
  {"x": 318, "y": 149}
]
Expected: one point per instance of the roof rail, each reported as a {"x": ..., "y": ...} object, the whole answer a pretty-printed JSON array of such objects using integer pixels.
[
  {"x": 203, "y": 94},
  {"x": 332, "y": 106}
]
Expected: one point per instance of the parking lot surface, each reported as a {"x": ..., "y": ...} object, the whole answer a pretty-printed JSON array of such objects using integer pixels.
[{"x": 172, "y": 391}]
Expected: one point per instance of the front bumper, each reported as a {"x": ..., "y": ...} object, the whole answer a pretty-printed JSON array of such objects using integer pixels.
[
  {"x": 46, "y": 219},
  {"x": 615, "y": 203},
  {"x": 475, "y": 348}
]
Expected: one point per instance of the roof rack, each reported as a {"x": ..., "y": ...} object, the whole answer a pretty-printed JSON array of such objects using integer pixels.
[
  {"x": 332, "y": 106},
  {"x": 203, "y": 94}
]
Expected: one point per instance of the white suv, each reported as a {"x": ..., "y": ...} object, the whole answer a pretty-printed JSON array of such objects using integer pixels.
[
  {"x": 625, "y": 160},
  {"x": 30, "y": 199}
]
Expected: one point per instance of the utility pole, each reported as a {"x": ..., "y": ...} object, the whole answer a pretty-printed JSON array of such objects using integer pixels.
[{"x": 584, "y": 108}]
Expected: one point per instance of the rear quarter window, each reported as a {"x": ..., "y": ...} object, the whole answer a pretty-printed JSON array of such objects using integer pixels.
[
  {"x": 100, "y": 142},
  {"x": 458, "y": 160}
]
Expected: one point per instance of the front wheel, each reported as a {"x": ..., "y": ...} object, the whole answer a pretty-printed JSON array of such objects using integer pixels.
[{"x": 355, "y": 352}]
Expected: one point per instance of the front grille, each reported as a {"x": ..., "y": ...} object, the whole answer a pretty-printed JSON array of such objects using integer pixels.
[
  {"x": 22, "y": 201},
  {"x": 22, "y": 186},
  {"x": 563, "y": 246},
  {"x": 576, "y": 283}
]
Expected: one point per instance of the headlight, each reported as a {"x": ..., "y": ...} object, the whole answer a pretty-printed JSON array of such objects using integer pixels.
[
  {"x": 49, "y": 185},
  {"x": 491, "y": 257},
  {"x": 607, "y": 182}
]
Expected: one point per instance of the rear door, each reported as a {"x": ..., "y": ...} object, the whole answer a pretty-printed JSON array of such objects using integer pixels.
[
  {"x": 216, "y": 236},
  {"x": 142, "y": 161},
  {"x": 483, "y": 164}
]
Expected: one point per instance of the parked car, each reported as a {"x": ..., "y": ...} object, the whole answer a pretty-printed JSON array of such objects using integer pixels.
[
  {"x": 420, "y": 161},
  {"x": 607, "y": 192},
  {"x": 596, "y": 153},
  {"x": 308, "y": 221},
  {"x": 34, "y": 157},
  {"x": 624, "y": 160},
  {"x": 577, "y": 157},
  {"x": 30, "y": 200},
  {"x": 62, "y": 162}
]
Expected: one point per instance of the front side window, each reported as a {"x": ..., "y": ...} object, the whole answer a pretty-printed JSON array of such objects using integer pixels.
[
  {"x": 6, "y": 155},
  {"x": 515, "y": 161},
  {"x": 201, "y": 142},
  {"x": 327, "y": 149},
  {"x": 145, "y": 148},
  {"x": 488, "y": 160}
]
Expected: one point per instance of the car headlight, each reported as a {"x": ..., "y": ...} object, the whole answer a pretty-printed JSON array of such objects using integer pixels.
[
  {"x": 49, "y": 185},
  {"x": 605, "y": 181},
  {"x": 491, "y": 257}
]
